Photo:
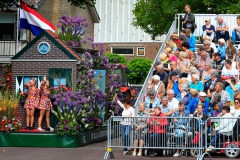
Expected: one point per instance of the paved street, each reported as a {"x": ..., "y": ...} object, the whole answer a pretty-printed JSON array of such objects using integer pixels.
[{"x": 94, "y": 151}]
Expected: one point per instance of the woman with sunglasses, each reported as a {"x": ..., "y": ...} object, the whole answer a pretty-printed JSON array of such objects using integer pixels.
[
  {"x": 208, "y": 29},
  {"x": 209, "y": 50},
  {"x": 235, "y": 111},
  {"x": 151, "y": 101}
]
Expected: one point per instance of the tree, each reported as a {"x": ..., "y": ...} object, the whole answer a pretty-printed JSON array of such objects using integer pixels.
[
  {"x": 6, "y": 4},
  {"x": 223, "y": 7},
  {"x": 138, "y": 69},
  {"x": 155, "y": 16}
]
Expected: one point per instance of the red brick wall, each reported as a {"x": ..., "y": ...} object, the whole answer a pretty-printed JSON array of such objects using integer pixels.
[
  {"x": 151, "y": 49},
  {"x": 53, "y": 9},
  {"x": 39, "y": 68}
]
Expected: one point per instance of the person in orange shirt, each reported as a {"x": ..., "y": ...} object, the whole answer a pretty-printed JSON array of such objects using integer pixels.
[
  {"x": 31, "y": 102},
  {"x": 157, "y": 129}
]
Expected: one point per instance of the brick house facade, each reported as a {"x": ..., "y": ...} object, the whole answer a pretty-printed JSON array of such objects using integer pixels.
[
  {"x": 53, "y": 9},
  {"x": 151, "y": 49},
  {"x": 30, "y": 63}
]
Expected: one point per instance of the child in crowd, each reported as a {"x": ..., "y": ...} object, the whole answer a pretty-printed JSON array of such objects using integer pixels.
[{"x": 215, "y": 111}]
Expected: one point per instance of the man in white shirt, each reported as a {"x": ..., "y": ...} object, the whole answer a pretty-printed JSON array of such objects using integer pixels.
[
  {"x": 173, "y": 102},
  {"x": 226, "y": 124},
  {"x": 222, "y": 29}
]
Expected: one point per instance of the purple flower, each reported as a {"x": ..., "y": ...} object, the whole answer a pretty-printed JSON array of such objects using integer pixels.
[
  {"x": 57, "y": 99},
  {"x": 101, "y": 63},
  {"x": 72, "y": 95},
  {"x": 90, "y": 75},
  {"x": 55, "y": 103},
  {"x": 64, "y": 99},
  {"x": 84, "y": 41},
  {"x": 66, "y": 126},
  {"x": 68, "y": 102},
  {"x": 9, "y": 126},
  {"x": 115, "y": 60},
  {"x": 54, "y": 96}
]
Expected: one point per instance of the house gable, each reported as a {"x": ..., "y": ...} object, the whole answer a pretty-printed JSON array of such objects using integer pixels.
[{"x": 59, "y": 50}]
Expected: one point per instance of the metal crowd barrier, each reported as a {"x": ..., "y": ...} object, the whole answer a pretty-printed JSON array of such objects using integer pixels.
[
  {"x": 223, "y": 133},
  {"x": 163, "y": 135}
]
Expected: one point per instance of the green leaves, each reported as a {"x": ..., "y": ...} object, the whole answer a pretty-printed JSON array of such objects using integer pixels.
[
  {"x": 155, "y": 16},
  {"x": 115, "y": 58},
  {"x": 138, "y": 69}
]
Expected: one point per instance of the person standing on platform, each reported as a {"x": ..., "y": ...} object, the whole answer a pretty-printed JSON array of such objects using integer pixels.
[
  {"x": 189, "y": 19},
  {"x": 31, "y": 102},
  {"x": 45, "y": 105}
]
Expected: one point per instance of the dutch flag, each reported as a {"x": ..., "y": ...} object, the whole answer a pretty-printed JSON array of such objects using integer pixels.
[{"x": 33, "y": 21}]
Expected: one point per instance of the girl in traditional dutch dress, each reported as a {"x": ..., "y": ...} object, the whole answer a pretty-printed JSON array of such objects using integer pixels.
[
  {"x": 31, "y": 102},
  {"x": 45, "y": 105}
]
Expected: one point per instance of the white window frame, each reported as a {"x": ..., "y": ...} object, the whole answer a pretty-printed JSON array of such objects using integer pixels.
[
  {"x": 143, "y": 50},
  {"x": 124, "y": 54}
]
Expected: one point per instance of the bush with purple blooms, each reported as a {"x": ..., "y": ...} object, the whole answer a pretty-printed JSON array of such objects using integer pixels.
[
  {"x": 72, "y": 29},
  {"x": 85, "y": 108}
]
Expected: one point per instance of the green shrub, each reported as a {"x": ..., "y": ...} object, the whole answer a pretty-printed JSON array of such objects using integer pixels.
[
  {"x": 115, "y": 58},
  {"x": 138, "y": 70}
]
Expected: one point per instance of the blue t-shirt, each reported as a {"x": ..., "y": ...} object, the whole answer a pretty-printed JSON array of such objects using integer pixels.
[
  {"x": 231, "y": 91},
  {"x": 198, "y": 86},
  {"x": 222, "y": 51},
  {"x": 175, "y": 88}
]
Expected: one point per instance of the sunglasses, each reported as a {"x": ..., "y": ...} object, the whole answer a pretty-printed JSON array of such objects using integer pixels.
[
  {"x": 206, "y": 21},
  {"x": 236, "y": 102},
  {"x": 151, "y": 94}
]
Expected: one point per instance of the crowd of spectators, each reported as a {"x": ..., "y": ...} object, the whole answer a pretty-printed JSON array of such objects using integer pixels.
[{"x": 192, "y": 81}]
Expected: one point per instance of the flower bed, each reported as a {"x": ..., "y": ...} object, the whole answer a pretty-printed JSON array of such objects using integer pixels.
[{"x": 10, "y": 120}]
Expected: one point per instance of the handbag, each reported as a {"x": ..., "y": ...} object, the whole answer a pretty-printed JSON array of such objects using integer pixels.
[
  {"x": 225, "y": 77},
  {"x": 189, "y": 25}
]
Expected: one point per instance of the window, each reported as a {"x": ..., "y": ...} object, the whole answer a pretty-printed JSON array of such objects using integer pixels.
[
  {"x": 8, "y": 25},
  {"x": 123, "y": 50},
  {"x": 59, "y": 81},
  {"x": 27, "y": 79},
  {"x": 60, "y": 76}
]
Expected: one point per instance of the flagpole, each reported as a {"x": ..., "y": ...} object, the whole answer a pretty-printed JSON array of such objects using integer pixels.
[{"x": 16, "y": 46}]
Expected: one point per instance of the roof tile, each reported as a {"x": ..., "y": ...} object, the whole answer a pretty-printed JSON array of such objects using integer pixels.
[{"x": 57, "y": 38}]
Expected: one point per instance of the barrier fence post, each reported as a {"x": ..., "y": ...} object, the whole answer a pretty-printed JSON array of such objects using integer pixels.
[{"x": 109, "y": 137}]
